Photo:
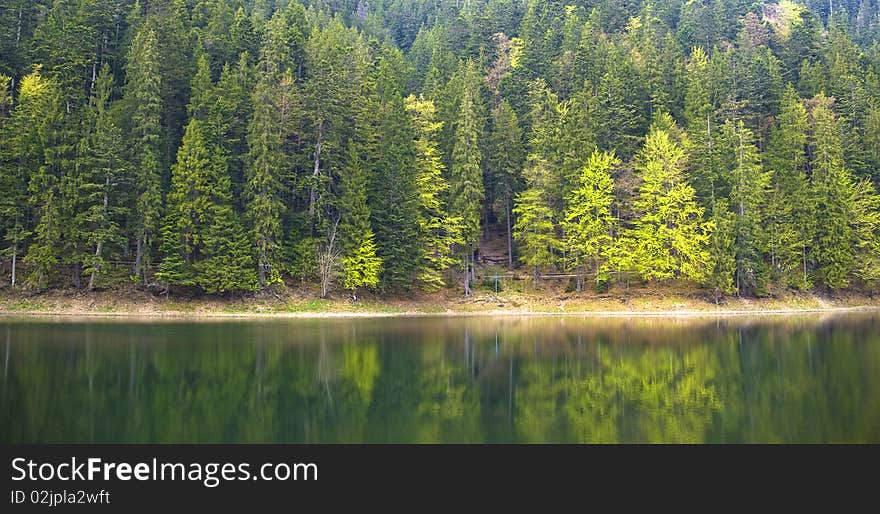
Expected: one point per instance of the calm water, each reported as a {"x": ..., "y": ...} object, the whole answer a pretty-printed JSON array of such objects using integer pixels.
[{"x": 794, "y": 379}]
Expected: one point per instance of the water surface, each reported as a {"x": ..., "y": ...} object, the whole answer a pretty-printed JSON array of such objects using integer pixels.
[{"x": 791, "y": 379}]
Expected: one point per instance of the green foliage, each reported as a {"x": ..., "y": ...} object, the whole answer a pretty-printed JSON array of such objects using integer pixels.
[
  {"x": 263, "y": 191},
  {"x": 588, "y": 220},
  {"x": 467, "y": 188},
  {"x": 535, "y": 227},
  {"x": 748, "y": 184},
  {"x": 670, "y": 237},
  {"x": 831, "y": 187},
  {"x": 438, "y": 230},
  {"x": 386, "y": 137},
  {"x": 361, "y": 265}
]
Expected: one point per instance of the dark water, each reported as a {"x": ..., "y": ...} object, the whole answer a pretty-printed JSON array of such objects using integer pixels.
[{"x": 766, "y": 380}]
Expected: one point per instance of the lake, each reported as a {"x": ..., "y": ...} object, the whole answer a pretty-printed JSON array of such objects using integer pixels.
[{"x": 768, "y": 379}]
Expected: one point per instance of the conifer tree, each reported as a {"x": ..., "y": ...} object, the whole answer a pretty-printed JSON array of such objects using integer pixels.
[
  {"x": 790, "y": 214},
  {"x": 361, "y": 265},
  {"x": 438, "y": 230},
  {"x": 102, "y": 179},
  {"x": 263, "y": 191},
  {"x": 588, "y": 219},
  {"x": 47, "y": 142},
  {"x": 748, "y": 184},
  {"x": 29, "y": 129},
  {"x": 143, "y": 90},
  {"x": 467, "y": 189},
  {"x": 206, "y": 242},
  {"x": 831, "y": 186},
  {"x": 535, "y": 227},
  {"x": 670, "y": 238},
  {"x": 506, "y": 160}
]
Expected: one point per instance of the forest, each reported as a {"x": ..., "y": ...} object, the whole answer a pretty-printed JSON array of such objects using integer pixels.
[{"x": 234, "y": 146}]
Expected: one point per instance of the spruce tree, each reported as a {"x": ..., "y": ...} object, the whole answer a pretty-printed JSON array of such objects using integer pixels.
[
  {"x": 790, "y": 213},
  {"x": 438, "y": 230},
  {"x": 506, "y": 161},
  {"x": 48, "y": 141},
  {"x": 143, "y": 97},
  {"x": 102, "y": 181},
  {"x": 669, "y": 238},
  {"x": 748, "y": 184},
  {"x": 535, "y": 227},
  {"x": 263, "y": 191},
  {"x": 831, "y": 187},
  {"x": 466, "y": 174},
  {"x": 205, "y": 242},
  {"x": 588, "y": 220},
  {"x": 361, "y": 265}
]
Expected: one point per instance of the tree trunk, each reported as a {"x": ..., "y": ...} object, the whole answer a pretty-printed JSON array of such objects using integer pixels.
[
  {"x": 467, "y": 276},
  {"x": 313, "y": 192},
  {"x": 509, "y": 234},
  {"x": 261, "y": 272},
  {"x": 77, "y": 275},
  {"x": 138, "y": 256},
  {"x": 94, "y": 275},
  {"x": 473, "y": 268},
  {"x": 14, "y": 258}
]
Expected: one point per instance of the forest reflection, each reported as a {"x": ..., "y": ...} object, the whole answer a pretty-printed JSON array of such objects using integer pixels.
[{"x": 470, "y": 380}]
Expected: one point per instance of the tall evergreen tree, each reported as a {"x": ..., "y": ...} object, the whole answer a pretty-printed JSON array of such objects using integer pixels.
[
  {"x": 669, "y": 238},
  {"x": 588, "y": 219},
  {"x": 748, "y": 184},
  {"x": 536, "y": 220},
  {"x": 438, "y": 230},
  {"x": 790, "y": 213},
  {"x": 361, "y": 265},
  {"x": 204, "y": 242},
  {"x": 467, "y": 189},
  {"x": 49, "y": 142},
  {"x": 143, "y": 90},
  {"x": 102, "y": 180},
  {"x": 831, "y": 186},
  {"x": 263, "y": 190}
]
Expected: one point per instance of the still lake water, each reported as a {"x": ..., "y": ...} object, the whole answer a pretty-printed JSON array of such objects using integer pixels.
[{"x": 792, "y": 379}]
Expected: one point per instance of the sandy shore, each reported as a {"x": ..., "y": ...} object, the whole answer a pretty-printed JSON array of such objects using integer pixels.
[{"x": 644, "y": 304}]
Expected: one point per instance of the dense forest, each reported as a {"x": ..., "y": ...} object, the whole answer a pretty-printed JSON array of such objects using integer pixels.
[{"x": 228, "y": 146}]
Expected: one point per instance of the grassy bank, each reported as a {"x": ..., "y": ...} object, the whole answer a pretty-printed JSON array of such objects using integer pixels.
[{"x": 645, "y": 300}]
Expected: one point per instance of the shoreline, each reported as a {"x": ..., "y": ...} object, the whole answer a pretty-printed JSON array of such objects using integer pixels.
[
  {"x": 669, "y": 302},
  {"x": 342, "y": 315}
]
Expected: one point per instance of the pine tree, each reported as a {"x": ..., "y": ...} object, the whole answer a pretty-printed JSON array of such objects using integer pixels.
[
  {"x": 143, "y": 91},
  {"x": 205, "y": 241},
  {"x": 790, "y": 221},
  {"x": 393, "y": 194},
  {"x": 748, "y": 184},
  {"x": 361, "y": 265},
  {"x": 535, "y": 227},
  {"x": 49, "y": 144},
  {"x": 670, "y": 237},
  {"x": 29, "y": 129},
  {"x": 588, "y": 219},
  {"x": 263, "y": 192},
  {"x": 702, "y": 129},
  {"x": 102, "y": 178},
  {"x": 438, "y": 230},
  {"x": 467, "y": 190},
  {"x": 722, "y": 250},
  {"x": 831, "y": 186}
]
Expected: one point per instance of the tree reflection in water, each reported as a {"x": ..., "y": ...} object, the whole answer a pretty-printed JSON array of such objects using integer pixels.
[{"x": 529, "y": 379}]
